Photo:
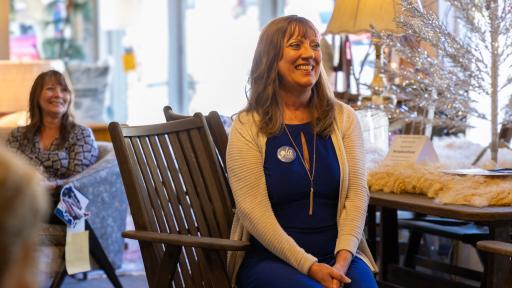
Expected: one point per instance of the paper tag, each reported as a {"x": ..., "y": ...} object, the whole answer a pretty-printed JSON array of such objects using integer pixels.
[
  {"x": 77, "y": 252},
  {"x": 411, "y": 149}
]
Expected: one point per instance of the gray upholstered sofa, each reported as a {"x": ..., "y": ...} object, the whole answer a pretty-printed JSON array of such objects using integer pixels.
[{"x": 102, "y": 185}]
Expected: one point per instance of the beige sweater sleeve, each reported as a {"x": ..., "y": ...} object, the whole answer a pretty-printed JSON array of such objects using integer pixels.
[
  {"x": 353, "y": 214},
  {"x": 245, "y": 157}
]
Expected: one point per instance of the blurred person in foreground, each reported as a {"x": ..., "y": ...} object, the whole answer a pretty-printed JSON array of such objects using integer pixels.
[
  {"x": 23, "y": 208},
  {"x": 296, "y": 168}
]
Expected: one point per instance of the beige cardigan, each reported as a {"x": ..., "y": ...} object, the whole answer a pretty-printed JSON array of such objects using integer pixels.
[{"x": 254, "y": 215}]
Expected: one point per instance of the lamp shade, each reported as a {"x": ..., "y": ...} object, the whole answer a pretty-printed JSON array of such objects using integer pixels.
[
  {"x": 356, "y": 16},
  {"x": 16, "y": 79}
]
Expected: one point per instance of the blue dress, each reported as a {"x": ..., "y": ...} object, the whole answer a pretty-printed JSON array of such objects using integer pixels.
[{"x": 288, "y": 186}]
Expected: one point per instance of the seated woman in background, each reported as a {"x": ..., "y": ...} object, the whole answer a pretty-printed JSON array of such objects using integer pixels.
[
  {"x": 52, "y": 140},
  {"x": 23, "y": 208},
  {"x": 296, "y": 166}
]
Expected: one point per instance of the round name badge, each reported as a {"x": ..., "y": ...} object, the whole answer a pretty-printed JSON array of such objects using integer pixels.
[{"x": 286, "y": 154}]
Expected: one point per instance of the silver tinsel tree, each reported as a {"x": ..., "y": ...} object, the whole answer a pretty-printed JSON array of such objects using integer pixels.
[{"x": 466, "y": 64}]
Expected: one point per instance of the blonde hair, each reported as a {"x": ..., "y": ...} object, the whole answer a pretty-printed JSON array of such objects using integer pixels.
[
  {"x": 264, "y": 80},
  {"x": 23, "y": 208}
]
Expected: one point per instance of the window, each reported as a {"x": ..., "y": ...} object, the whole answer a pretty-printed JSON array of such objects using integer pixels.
[
  {"x": 147, "y": 85},
  {"x": 220, "y": 38}
]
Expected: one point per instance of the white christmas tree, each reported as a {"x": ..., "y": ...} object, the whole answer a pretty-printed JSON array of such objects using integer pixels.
[{"x": 466, "y": 64}]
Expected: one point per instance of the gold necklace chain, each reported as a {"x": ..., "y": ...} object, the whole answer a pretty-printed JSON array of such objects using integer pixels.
[{"x": 311, "y": 174}]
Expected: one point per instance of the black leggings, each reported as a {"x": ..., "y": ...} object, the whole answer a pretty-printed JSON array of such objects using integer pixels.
[{"x": 55, "y": 199}]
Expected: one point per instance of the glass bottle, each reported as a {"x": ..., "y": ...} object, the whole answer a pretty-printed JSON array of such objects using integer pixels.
[{"x": 378, "y": 84}]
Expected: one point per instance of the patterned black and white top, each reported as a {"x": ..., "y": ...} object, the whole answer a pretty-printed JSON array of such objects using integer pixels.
[{"x": 79, "y": 152}]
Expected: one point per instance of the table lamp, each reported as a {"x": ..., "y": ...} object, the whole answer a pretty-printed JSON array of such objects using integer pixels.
[{"x": 357, "y": 16}]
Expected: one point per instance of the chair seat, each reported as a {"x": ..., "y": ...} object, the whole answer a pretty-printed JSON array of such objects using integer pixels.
[{"x": 468, "y": 233}]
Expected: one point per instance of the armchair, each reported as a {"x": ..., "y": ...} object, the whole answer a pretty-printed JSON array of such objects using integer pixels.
[{"x": 101, "y": 184}]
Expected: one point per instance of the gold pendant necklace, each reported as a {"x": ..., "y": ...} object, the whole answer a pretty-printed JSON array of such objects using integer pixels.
[{"x": 311, "y": 174}]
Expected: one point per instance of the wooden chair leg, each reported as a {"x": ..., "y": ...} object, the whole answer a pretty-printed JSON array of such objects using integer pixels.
[
  {"x": 371, "y": 224},
  {"x": 99, "y": 255},
  {"x": 167, "y": 267},
  {"x": 218, "y": 274},
  {"x": 61, "y": 274},
  {"x": 412, "y": 249}
]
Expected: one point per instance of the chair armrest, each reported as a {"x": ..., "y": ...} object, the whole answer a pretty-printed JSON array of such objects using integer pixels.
[
  {"x": 188, "y": 240},
  {"x": 497, "y": 247},
  {"x": 106, "y": 160}
]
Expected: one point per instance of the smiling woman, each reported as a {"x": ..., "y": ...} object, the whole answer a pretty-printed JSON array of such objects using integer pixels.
[
  {"x": 52, "y": 140},
  {"x": 290, "y": 155}
]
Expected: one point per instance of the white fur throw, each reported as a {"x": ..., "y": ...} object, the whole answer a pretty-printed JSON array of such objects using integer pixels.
[{"x": 428, "y": 180}]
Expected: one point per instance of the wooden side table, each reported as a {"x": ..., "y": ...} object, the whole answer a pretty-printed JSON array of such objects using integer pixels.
[{"x": 100, "y": 131}]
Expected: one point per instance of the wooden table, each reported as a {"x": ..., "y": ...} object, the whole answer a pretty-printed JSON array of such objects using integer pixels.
[
  {"x": 497, "y": 218},
  {"x": 100, "y": 131}
]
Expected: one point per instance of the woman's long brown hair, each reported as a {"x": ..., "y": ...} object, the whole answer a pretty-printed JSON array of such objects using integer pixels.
[
  {"x": 264, "y": 80},
  {"x": 36, "y": 114}
]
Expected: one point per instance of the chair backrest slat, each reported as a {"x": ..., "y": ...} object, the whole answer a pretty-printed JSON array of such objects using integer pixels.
[
  {"x": 184, "y": 219},
  {"x": 200, "y": 192},
  {"x": 190, "y": 192},
  {"x": 133, "y": 183},
  {"x": 155, "y": 151},
  {"x": 181, "y": 204},
  {"x": 146, "y": 197},
  {"x": 206, "y": 164},
  {"x": 166, "y": 163},
  {"x": 220, "y": 140},
  {"x": 218, "y": 132},
  {"x": 175, "y": 184},
  {"x": 156, "y": 212},
  {"x": 159, "y": 172},
  {"x": 183, "y": 155}
]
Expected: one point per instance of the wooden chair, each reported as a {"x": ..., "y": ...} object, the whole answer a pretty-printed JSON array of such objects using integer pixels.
[
  {"x": 177, "y": 195},
  {"x": 465, "y": 232},
  {"x": 499, "y": 248},
  {"x": 496, "y": 247},
  {"x": 455, "y": 230}
]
